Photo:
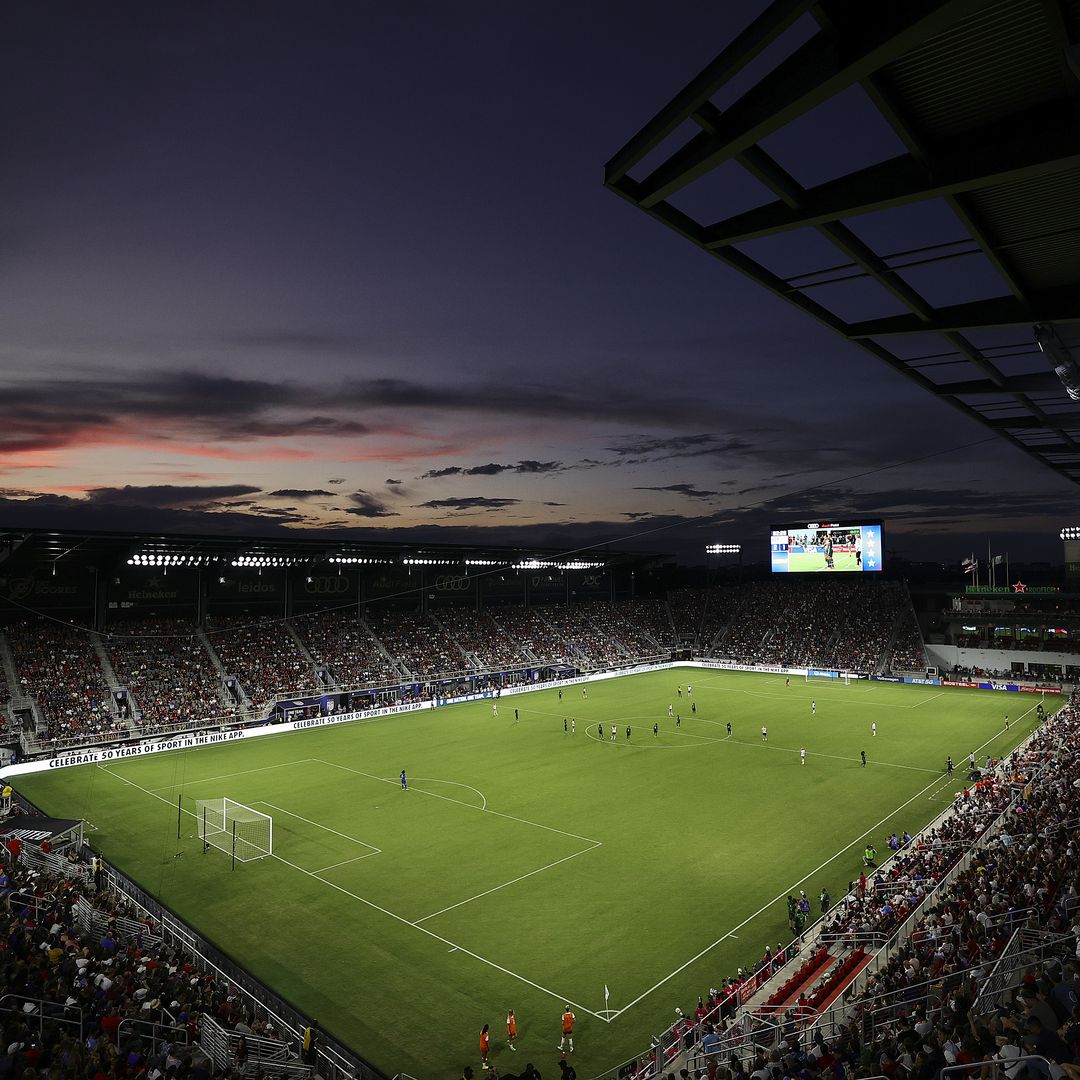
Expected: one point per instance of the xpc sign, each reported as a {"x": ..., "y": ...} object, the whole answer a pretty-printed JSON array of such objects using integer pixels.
[{"x": 327, "y": 586}]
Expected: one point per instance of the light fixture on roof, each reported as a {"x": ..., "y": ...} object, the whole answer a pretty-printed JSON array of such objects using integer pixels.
[
  {"x": 1071, "y": 532},
  {"x": 723, "y": 549},
  {"x": 1065, "y": 367}
]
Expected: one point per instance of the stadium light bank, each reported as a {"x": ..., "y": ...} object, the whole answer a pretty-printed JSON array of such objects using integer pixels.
[
  {"x": 723, "y": 549},
  {"x": 1070, "y": 532}
]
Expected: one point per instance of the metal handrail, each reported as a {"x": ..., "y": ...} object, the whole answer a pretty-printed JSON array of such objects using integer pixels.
[
  {"x": 996, "y": 1063},
  {"x": 154, "y": 1035},
  {"x": 40, "y": 1014}
]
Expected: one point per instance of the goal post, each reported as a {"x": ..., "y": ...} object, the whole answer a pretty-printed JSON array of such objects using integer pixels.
[{"x": 241, "y": 832}]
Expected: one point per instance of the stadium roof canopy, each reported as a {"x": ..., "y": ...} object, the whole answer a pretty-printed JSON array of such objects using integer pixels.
[
  {"x": 975, "y": 103},
  {"x": 46, "y": 551}
]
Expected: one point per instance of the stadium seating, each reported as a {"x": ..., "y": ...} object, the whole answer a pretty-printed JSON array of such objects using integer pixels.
[
  {"x": 419, "y": 642},
  {"x": 169, "y": 672},
  {"x": 58, "y": 667},
  {"x": 262, "y": 654},
  {"x": 79, "y": 962},
  {"x": 347, "y": 648}
]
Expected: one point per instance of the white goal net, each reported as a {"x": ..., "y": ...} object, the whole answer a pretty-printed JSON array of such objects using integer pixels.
[{"x": 241, "y": 832}]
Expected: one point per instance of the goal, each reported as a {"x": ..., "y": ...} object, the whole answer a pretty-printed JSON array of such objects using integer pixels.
[{"x": 243, "y": 833}]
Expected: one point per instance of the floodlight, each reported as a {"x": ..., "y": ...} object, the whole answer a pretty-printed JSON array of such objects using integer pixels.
[
  {"x": 1071, "y": 532},
  {"x": 1065, "y": 367},
  {"x": 723, "y": 549}
]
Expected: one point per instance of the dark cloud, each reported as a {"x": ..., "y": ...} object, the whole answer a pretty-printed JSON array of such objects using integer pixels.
[
  {"x": 336, "y": 480},
  {"x": 366, "y": 505},
  {"x": 494, "y": 469},
  {"x": 682, "y": 489},
  {"x": 394, "y": 483},
  {"x": 475, "y": 502},
  {"x": 553, "y": 504},
  {"x": 297, "y": 493},
  {"x": 637, "y": 449},
  {"x": 167, "y": 496}
]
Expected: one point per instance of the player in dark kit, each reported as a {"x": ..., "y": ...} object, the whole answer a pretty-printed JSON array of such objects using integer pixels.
[
  {"x": 655, "y": 730},
  {"x": 862, "y": 754}
]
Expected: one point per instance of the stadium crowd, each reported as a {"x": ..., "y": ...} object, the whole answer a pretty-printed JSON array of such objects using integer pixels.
[
  {"x": 347, "y": 647},
  {"x": 262, "y": 654},
  {"x": 167, "y": 669},
  {"x": 174, "y": 678},
  {"x": 58, "y": 667},
  {"x": 914, "y": 1014},
  {"x": 87, "y": 1002}
]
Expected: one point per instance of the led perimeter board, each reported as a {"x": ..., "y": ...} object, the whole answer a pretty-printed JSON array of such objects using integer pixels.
[{"x": 832, "y": 547}]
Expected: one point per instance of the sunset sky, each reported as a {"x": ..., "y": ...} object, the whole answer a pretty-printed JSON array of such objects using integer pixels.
[{"x": 273, "y": 266}]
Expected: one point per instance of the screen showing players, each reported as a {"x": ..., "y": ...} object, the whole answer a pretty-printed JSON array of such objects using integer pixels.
[{"x": 831, "y": 547}]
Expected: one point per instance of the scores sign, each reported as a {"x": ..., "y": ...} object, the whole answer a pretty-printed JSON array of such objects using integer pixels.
[{"x": 827, "y": 547}]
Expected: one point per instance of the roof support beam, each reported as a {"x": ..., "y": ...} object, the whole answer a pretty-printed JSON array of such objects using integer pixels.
[
  {"x": 759, "y": 35},
  {"x": 988, "y": 158},
  {"x": 829, "y": 62},
  {"x": 1058, "y": 305},
  {"x": 1034, "y": 423},
  {"x": 1036, "y": 383}
]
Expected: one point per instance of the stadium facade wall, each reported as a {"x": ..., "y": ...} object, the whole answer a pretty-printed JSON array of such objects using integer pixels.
[{"x": 949, "y": 656}]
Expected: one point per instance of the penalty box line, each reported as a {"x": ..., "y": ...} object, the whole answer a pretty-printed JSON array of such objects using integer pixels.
[
  {"x": 593, "y": 844},
  {"x": 780, "y": 896},
  {"x": 400, "y": 918}
]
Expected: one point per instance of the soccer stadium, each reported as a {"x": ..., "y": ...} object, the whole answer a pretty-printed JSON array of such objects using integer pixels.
[{"x": 377, "y": 808}]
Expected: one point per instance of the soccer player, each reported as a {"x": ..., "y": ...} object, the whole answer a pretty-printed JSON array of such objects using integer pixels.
[
  {"x": 693, "y": 707},
  {"x": 567, "y": 1030},
  {"x": 862, "y": 754},
  {"x": 573, "y": 725},
  {"x": 600, "y": 731},
  {"x": 404, "y": 782},
  {"x": 494, "y": 712},
  {"x": 585, "y": 692},
  {"x": 787, "y": 682},
  {"x": 515, "y": 716},
  {"x": 689, "y": 690},
  {"x": 627, "y": 732},
  {"x": 560, "y": 693},
  {"x": 670, "y": 710},
  {"x": 813, "y": 708},
  {"x": 971, "y": 760},
  {"x": 511, "y": 1029},
  {"x": 655, "y": 730},
  {"x": 873, "y": 729},
  {"x": 613, "y": 730},
  {"x": 1006, "y": 721},
  {"x": 565, "y": 726},
  {"x": 729, "y": 729},
  {"x": 680, "y": 691},
  {"x": 678, "y": 719},
  {"x": 949, "y": 766},
  {"x": 802, "y": 755},
  {"x": 485, "y": 1046},
  {"x": 764, "y": 733}
]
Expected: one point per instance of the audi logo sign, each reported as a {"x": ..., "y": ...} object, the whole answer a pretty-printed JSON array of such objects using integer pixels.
[
  {"x": 449, "y": 583},
  {"x": 327, "y": 586}
]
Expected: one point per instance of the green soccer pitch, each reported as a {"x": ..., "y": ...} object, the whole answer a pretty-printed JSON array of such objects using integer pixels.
[
  {"x": 526, "y": 867},
  {"x": 808, "y": 561}
]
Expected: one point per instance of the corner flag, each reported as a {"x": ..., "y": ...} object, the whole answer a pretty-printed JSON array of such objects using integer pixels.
[{"x": 606, "y": 995}]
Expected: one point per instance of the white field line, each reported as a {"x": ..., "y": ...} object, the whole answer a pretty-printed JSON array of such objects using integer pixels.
[
  {"x": 470, "y": 806},
  {"x": 932, "y": 697},
  {"x": 792, "y": 888},
  {"x": 347, "y": 862},
  {"x": 514, "y": 881},
  {"x": 400, "y": 918},
  {"x": 230, "y": 775},
  {"x": 326, "y": 828}
]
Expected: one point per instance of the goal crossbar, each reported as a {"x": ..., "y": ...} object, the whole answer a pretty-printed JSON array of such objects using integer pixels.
[{"x": 241, "y": 832}]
